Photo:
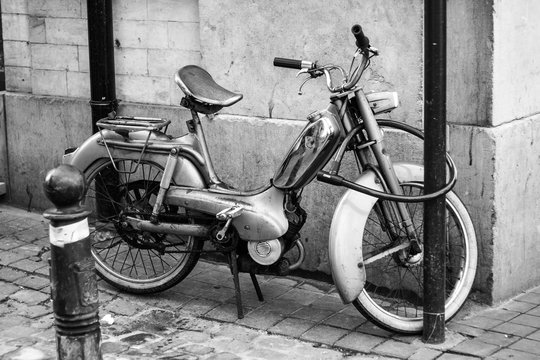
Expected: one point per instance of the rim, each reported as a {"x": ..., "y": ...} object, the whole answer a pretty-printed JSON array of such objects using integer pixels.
[
  {"x": 128, "y": 255},
  {"x": 402, "y": 299}
]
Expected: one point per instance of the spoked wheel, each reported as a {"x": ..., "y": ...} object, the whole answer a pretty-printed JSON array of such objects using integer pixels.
[
  {"x": 133, "y": 260},
  {"x": 393, "y": 295}
]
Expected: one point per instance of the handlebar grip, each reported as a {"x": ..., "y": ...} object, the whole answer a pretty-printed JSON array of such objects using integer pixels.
[
  {"x": 362, "y": 40},
  {"x": 288, "y": 63}
]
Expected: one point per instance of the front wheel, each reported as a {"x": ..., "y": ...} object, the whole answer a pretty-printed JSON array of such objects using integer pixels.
[
  {"x": 132, "y": 260},
  {"x": 392, "y": 297}
]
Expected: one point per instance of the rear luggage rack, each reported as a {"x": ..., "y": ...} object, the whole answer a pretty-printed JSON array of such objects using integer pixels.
[{"x": 125, "y": 124}]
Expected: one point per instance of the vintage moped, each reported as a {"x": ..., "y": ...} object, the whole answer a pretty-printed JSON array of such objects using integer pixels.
[{"x": 156, "y": 200}]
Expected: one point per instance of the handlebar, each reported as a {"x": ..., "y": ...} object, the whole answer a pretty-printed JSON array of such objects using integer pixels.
[
  {"x": 350, "y": 80},
  {"x": 294, "y": 64}
]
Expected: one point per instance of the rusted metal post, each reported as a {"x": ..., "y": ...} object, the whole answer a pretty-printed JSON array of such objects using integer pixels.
[
  {"x": 435, "y": 169},
  {"x": 73, "y": 280}
]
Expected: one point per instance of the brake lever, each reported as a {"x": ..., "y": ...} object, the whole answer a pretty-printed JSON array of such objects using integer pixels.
[{"x": 313, "y": 74}]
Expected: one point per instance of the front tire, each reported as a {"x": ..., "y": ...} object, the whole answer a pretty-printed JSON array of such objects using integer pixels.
[
  {"x": 132, "y": 260},
  {"x": 393, "y": 295}
]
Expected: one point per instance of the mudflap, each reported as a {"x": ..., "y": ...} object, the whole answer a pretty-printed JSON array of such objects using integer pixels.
[{"x": 347, "y": 229}]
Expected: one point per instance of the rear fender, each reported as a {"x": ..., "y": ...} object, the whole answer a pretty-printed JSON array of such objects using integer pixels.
[
  {"x": 347, "y": 229},
  {"x": 188, "y": 169}
]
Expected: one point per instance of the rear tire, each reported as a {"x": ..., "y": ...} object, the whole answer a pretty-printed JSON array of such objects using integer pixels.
[
  {"x": 132, "y": 260},
  {"x": 393, "y": 295}
]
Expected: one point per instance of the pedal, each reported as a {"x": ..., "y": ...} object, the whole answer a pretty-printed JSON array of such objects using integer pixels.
[
  {"x": 230, "y": 213},
  {"x": 227, "y": 215}
]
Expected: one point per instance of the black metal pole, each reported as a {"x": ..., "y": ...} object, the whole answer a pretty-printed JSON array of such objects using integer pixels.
[
  {"x": 74, "y": 288},
  {"x": 101, "y": 53},
  {"x": 435, "y": 169}
]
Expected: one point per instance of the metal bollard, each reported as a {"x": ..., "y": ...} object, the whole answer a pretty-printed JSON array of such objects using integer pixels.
[{"x": 73, "y": 280}]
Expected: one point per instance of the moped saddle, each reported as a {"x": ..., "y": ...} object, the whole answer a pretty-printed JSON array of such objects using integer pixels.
[{"x": 200, "y": 87}]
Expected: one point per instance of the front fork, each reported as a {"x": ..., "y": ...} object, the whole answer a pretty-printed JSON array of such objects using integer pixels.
[{"x": 386, "y": 173}]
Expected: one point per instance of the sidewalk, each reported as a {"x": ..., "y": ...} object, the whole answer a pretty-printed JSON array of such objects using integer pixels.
[{"x": 300, "y": 318}]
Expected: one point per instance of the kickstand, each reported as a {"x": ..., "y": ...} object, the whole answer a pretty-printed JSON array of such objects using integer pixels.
[
  {"x": 256, "y": 286},
  {"x": 234, "y": 269}
]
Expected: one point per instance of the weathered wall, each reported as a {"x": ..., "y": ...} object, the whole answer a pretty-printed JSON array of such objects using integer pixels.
[{"x": 493, "y": 82}]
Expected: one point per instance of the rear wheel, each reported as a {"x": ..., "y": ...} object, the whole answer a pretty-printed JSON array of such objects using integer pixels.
[
  {"x": 393, "y": 294},
  {"x": 133, "y": 260}
]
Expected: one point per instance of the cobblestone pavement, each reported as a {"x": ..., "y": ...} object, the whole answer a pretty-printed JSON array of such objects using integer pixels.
[{"x": 300, "y": 318}]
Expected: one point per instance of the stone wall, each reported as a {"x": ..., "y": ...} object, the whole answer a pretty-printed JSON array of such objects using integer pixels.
[{"x": 493, "y": 80}]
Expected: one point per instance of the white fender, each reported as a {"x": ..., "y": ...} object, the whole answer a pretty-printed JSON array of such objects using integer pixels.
[{"x": 347, "y": 229}]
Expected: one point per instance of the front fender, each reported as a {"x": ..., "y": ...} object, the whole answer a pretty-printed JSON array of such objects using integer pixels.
[{"x": 347, "y": 229}]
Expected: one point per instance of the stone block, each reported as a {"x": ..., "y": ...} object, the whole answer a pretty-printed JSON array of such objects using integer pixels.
[
  {"x": 15, "y": 27},
  {"x": 15, "y": 6},
  {"x": 141, "y": 34},
  {"x": 54, "y": 57},
  {"x": 323, "y": 334},
  {"x": 184, "y": 36},
  {"x": 359, "y": 342},
  {"x": 78, "y": 84},
  {"x": 16, "y": 53},
  {"x": 49, "y": 82},
  {"x": 66, "y": 31},
  {"x": 128, "y": 61},
  {"x": 173, "y": 10},
  {"x": 37, "y": 30},
  {"x": 165, "y": 62},
  {"x": 84, "y": 58},
  {"x": 55, "y": 8},
  {"x": 145, "y": 89},
  {"x": 130, "y": 9}
]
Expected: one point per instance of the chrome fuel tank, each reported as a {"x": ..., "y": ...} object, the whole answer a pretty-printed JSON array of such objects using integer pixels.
[{"x": 311, "y": 150}]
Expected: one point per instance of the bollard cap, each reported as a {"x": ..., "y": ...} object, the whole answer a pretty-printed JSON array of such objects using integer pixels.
[{"x": 65, "y": 187}]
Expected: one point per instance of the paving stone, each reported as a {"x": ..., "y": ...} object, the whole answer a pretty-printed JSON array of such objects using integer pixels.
[
  {"x": 18, "y": 332},
  {"x": 224, "y": 312},
  {"x": 344, "y": 321},
  {"x": 302, "y": 297},
  {"x": 236, "y": 332},
  {"x": 370, "y": 328},
  {"x": 199, "y": 306},
  {"x": 481, "y": 322},
  {"x": 396, "y": 349},
  {"x": 288, "y": 282},
  {"x": 291, "y": 327},
  {"x": 359, "y": 342},
  {"x": 283, "y": 307},
  {"x": 529, "y": 297},
  {"x": 33, "y": 282},
  {"x": 31, "y": 311},
  {"x": 9, "y": 243},
  {"x": 465, "y": 329},
  {"x": 30, "y": 297},
  {"x": 324, "y": 334},
  {"x": 109, "y": 347},
  {"x": 329, "y": 302},
  {"x": 9, "y": 257},
  {"x": 525, "y": 319},
  {"x": 500, "y": 314},
  {"x": 514, "y": 329},
  {"x": 506, "y": 354},
  {"x": 263, "y": 353},
  {"x": 534, "y": 336},
  {"x": 534, "y": 312},
  {"x": 29, "y": 354},
  {"x": 425, "y": 354},
  {"x": 476, "y": 348},
  {"x": 223, "y": 356},
  {"x": 312, "y": 314},
  {"x": 271, "y": 290},
  {"x": 528, "y": 346},
  {"x": 7, "y": 289},
  {"x": 198, "y": 349},
  {"x": 29, "y": 265},
  {"x": 9, "y": 274},
  {"x": 260, "y": 319},
  {"x": 497, "y": 338},
  {"x": 194, "y": 336},
  {"x": 447, "y": 356},
  {"x": 215, "y": 292},
  {"x": 123, "y": 307},
  {"x": 4, "y": 349},
  {"x": 519, "y": 306}
]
